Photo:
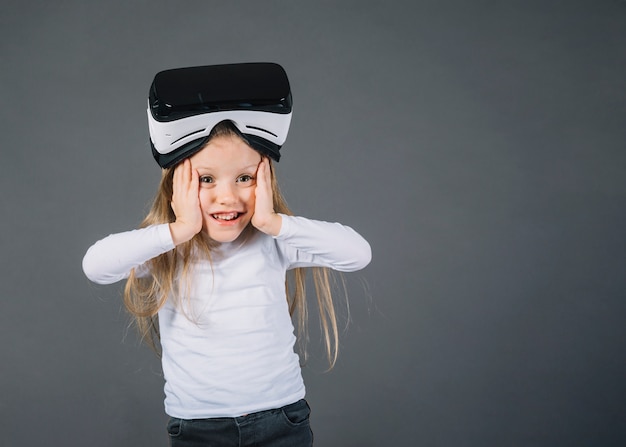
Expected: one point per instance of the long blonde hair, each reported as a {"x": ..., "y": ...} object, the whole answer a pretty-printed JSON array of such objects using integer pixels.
[{"x": 144, "y": 296}]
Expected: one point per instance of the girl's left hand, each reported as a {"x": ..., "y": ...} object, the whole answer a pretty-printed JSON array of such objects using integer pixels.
[{"x": 264, "y": 218}]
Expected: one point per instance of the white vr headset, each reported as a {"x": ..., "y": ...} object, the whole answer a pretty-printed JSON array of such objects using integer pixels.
[{"x": 184, "y": 105}]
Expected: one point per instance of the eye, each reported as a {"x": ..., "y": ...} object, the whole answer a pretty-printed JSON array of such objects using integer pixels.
[
  {"x": 245, "y": 178},
  {"x": 206, "y": 179}
]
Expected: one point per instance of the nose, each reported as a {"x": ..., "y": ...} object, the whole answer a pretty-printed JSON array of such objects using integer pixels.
[{"x": 225, "y": 193}]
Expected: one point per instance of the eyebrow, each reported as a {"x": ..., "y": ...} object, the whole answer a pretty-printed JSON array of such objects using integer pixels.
[{"x": 209, "y": 168}]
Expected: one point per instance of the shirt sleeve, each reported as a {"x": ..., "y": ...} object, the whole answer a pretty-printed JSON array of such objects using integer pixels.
[
  {"x": 313, "y": 243},
  {"x": 111, "y": 259}
]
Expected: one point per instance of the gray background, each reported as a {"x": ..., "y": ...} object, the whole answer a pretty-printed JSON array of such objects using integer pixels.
[{"x": 478, "y": 145}]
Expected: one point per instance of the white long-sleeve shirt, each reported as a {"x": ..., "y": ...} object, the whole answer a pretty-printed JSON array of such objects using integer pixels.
[{"x": 228, "y": 347}]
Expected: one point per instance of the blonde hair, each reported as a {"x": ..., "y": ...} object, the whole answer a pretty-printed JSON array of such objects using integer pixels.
[{"x": 144, "y": 296}]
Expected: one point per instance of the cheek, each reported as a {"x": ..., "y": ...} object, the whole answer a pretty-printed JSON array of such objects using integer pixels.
[
  {"x": 204, "y": 195},
  {"x": 248, "y": 197}
]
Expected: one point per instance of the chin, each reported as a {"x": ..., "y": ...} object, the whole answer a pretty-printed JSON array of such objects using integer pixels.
[
  {"x": 229, "y": 235},
  {"x": 224, "y": 237}
]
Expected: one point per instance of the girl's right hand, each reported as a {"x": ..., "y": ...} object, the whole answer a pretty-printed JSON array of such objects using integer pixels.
[{"x": 185, "y": 203}]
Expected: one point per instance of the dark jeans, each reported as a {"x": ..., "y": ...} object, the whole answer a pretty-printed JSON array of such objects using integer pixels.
[{"x": 283, "y": 427}]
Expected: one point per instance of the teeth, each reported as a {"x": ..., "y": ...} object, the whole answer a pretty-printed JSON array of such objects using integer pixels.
[{"x": 226, "y": 216}]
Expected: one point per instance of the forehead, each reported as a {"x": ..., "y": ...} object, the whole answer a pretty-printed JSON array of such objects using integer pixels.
[{"x": 225, "y": 152}]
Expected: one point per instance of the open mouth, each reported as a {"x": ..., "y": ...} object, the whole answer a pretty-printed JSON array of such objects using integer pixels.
[{"x": 225, "y": 216}]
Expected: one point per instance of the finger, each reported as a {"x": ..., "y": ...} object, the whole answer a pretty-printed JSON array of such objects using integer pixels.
[
  {"x": 260, "y": 177},
  {"x": 194, "y": 182},
  {"x": 264, "y": 188},
  {"x": 186, "y": 177},
  {"x": 259, "y": 173},
  {"x": 178, "y": 180},
  {"x": 259, "y": 168},
  {"x": 264, "y": 172}
]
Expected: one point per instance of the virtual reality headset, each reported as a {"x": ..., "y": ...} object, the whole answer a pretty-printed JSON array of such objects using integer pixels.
[{"x": 184, "y": 105}]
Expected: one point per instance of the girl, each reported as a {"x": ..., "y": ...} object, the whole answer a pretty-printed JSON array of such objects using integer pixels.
[{"x": 206, "y": 276}]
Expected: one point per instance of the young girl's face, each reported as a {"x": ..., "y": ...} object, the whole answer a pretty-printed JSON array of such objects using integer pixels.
[{"x": 227, "y": 169}]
